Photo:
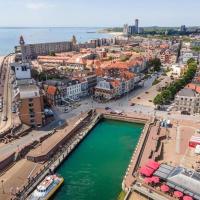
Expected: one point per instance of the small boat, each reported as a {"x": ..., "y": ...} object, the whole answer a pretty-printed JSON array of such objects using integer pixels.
[{"x": 47, "y": 188}]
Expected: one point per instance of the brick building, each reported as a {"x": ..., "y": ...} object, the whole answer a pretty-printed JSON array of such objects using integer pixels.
[{"x": 31, "y": 105}]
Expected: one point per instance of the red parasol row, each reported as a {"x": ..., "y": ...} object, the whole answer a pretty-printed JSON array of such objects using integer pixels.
[{"x": 153, "y": 179}]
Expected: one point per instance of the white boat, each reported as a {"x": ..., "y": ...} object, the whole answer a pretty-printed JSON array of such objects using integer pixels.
[{"x": 46, "y": 188}]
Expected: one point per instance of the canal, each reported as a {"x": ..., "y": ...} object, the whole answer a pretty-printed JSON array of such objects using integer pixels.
[{"x": 96, "y": 168}]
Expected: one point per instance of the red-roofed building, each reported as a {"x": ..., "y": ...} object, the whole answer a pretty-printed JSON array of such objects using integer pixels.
[
  {"x": 53, "y": 95},
  {"x": 194, "y": 87}
]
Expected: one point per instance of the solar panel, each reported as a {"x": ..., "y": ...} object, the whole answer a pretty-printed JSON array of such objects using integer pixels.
[
  {"x": 196, "y": 176},
  {"x": 179, "y": 188},
  {"x": 167, "y": 167},
  {"x": 160, "y": 174},
  {"x": 197, "y": 197},
  {"x": 189, "y": 193},
  {"x": 171, "y": 185}
]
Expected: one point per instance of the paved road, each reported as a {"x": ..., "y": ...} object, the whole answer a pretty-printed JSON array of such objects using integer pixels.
[
  {"x": 7, "y": 97},
  {"x": 16, "y": 145},
  {"x": 121, "y": 104}
]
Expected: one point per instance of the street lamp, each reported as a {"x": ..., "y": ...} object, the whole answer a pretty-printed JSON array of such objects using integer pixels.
[{"x": 2, "y": 182}]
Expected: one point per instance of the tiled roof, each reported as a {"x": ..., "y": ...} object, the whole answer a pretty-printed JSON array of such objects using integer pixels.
[
  {"x": 194, "y": 87},
  {"x": 51, "y": 90}
]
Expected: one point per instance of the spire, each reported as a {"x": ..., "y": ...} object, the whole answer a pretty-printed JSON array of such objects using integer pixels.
[{"x": 21, "y": 40}]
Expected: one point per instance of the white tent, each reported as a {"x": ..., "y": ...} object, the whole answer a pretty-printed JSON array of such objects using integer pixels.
[{"x": 197, "y": 149}]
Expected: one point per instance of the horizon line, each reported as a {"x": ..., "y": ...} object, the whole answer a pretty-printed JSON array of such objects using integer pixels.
[{"x": 21, "y": 27}]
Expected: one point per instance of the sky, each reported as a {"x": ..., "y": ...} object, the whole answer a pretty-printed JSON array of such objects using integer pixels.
[{"x": 98, "y": 13}]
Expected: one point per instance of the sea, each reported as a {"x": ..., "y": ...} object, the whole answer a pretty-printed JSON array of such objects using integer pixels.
[{"x": 9, "y": 37}]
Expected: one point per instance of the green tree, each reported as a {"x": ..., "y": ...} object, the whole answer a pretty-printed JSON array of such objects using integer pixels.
[
  {"x": 158, "y": 100},
  {"x": 52, "y": 53}
]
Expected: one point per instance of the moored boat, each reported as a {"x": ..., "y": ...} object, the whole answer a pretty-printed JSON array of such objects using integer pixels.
[{"x": 47, "y": 188}]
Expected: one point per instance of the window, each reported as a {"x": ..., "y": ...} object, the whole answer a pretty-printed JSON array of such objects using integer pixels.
[
  {"x": 30, "y": 104},
  {"x": 32, "y": 121},
  {"x": 24, "y": 68},
  {"x": 32, "y": 115},
  {"x": 31, "y": 110},
  {"x": 30, "y": 100}
]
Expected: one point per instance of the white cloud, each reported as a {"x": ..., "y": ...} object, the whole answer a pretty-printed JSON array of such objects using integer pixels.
[{"x": 38, "y": 5}]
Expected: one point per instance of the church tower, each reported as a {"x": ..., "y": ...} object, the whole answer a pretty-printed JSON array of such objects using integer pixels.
[{"x": 22, "y": 43}]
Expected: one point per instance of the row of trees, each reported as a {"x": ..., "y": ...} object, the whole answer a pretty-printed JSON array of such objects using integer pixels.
[
  {"x": 168, "y": 93},
  {"x": 43, "y": 76}
]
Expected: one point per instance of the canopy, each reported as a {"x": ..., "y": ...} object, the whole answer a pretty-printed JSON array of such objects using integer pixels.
[
  {"x": 187, "y": 198},
  {"x": 164, "y": 188},
  {"x": 148, "y": 180},
  {"x": 197, "y": 149},
  {"x": 153, "y": 164},
  {"x": 178, "y": 194},
  {"x": 155, "y": 179},
  {"x": 146, "y": 171}
]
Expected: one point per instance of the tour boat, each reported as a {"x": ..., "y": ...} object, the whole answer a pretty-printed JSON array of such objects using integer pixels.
[{"x": 47, "y": 188}]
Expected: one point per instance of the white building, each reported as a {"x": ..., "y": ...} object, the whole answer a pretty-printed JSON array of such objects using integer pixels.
[
  {"x": 187, "y": 101},
  {"x": 74, "y": 90},
  {"x": 177, "y": 70},
  {"x": 22, "y": 70}
]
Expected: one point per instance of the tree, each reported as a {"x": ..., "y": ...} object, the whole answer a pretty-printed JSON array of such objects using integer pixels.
[
  {"x": 169, "y": 92},
  {"x": 191, "y": 60},
  {"x": 166, "y": 95},
  {"x": 52, "y": 53},
  {"x": 155, "y": 63},
  {"x": 158, "y": 100}
]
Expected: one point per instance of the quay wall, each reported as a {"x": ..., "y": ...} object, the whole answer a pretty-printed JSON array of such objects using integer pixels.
[
  {"x": 140, "y": 120},
  {"x": 129, "y": 179},
  {"x": 7, "y": 161}
]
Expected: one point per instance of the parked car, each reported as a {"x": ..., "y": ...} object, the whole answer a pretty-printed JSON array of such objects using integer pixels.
[
  {"x": 107, "y": 108},
  {"x": 5, "y": 118}
]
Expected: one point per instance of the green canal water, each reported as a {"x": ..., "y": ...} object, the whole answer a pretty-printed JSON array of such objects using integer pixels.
[{"x": 95, "y": 170}]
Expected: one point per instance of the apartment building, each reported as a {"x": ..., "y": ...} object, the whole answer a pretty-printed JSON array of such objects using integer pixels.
[
  {"x": 30, "y": 105},
  {"x": 187, "y": 101},
  {"x": 31, "y": 51},
  {"x": 110, "y": 88},
  {"x": 57, "y": 91}
]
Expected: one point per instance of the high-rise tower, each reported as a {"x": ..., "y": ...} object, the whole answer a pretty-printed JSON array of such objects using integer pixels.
[{"x": 137, "y": 26}]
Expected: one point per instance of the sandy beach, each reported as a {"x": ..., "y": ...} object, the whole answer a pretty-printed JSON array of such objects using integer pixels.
[{"x": 115, "y": 33}]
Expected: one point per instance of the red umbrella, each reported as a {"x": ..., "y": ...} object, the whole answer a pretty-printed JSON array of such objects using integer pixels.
[
  {"x": 187, "y": 198},
  {"x": 146, "y": 171},
  {"x": 155, "y": 179},
  {"x": 148, "y": 180},
  {"x": 178, "y": 194},
  {"x": 153, "y": 164},
  {"x": 164, "y": 188}
]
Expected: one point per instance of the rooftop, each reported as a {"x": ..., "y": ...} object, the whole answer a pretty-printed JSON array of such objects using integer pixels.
[
  {"x": 187, "y": 92},
  {"x": 182, "y": 179},
  {"x": 29, "y": 91}
]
